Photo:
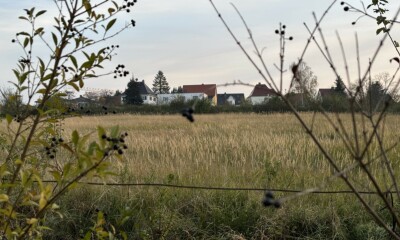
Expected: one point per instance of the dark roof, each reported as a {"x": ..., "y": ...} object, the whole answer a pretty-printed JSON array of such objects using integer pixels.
[
  {"x": 80, "y": 99},
  {"x": 261, "y": 90},
  {"x": 326, "y": 92},
  {"x": 144, "y": 89},
  {"x": 209, "y": 89},
  {"x": 221, "y": 98}
]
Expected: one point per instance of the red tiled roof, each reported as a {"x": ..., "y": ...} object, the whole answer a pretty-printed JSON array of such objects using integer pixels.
[
  {"x": 209, "y": 89},
  {"x": 261, "y": 90}
]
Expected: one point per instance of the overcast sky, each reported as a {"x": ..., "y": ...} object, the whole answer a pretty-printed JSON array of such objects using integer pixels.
[{"x": 186, "y": 40}]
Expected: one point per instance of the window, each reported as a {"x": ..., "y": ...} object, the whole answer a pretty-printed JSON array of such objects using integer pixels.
[{"x": 195, "y": 97}]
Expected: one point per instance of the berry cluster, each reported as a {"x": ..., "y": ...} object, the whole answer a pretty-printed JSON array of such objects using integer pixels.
[
  {"x": 128, "y": 5},
  {"x": 17, "y": 118},
  {"x": 109, "y": 49},
  {"x": 63, "y": 67},
  {"x": 282, "y": 32},
  {"x": 269, "y": 200},
  {"x": 133, "y": 22},
  {"x": 346, "y": 8},
  {"x": 52, "y": 148},
  {"x": 119, "y": 71},
  {"x": 117, "y": 144}
]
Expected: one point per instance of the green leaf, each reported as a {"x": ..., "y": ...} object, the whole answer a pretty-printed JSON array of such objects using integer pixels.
[
  {"x": 110, "y": 24},
  {"x": 73, "y": 60},
  {"x": 81, "y": 83},
  {"x": 40, "y": 13},
  {"x": 9, "y": 118},
  {"x": 55, "y": 40},
  {"x": 379, "y": 30},
  {"x": 47, "y": 77},
  {"x": 26, "y": 42},
  {"x": 115, "y": 131},
  {"x": 3, "y": 198},
  {"x": 39, "y": 30},
  {"x": 75, "y": 137},
  {"x": 72, "y": 84},
  {"x": 23, "y": 18}
]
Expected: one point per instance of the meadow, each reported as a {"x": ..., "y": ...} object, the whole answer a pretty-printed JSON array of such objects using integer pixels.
[{"x": 265, "y": 151}]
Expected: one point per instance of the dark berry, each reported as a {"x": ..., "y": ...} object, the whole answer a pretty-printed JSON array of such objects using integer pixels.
[
  {"x": 120, "y": 151},
  {"x": 103, "y": 136},
  {"x": 341, "y": 3},
  {"x": 277, "y": 31},
  {"x": 290, "y": 38},
  {"x": 268, "y": 202},
  {"x": 13, "y": 41},
  {"x": 346, "y": 9}
]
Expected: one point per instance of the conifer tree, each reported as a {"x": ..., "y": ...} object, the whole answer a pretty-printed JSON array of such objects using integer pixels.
[{"x": 160, "y": 84}]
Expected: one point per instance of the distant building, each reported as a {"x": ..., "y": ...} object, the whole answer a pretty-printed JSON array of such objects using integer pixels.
[
  {"x": 234, "y": 99},
  {"x": 209, "y": 89},
  {"x": 324, "y": 93},
  {"x": 260, "y": 94},
  {"x": 148, "y": 96},
  {"x": 81, "y": 102},
  {"x": 167, "y": 98}
]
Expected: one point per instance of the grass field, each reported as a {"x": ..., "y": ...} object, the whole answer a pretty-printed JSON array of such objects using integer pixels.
[{"x": 225, "y": 150}]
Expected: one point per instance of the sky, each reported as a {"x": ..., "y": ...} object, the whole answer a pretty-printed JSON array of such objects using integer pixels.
[{"x": 186, "y": 40}]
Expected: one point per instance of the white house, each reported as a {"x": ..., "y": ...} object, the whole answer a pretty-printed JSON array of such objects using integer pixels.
[
  {"x": 148, "y": 96},
  {"x": 260, "y": 94},
  {"x": 167, "y": 98}
]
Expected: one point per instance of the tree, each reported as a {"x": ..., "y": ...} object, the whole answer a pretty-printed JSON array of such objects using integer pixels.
[
  {"x": 339, "y": 87},
  {"x": 10, "y": 102},
  {"x": 132, "y": 93},
  {"x": 35, "y": 145},
  {"x": 177, "y": 90},
  {"x": 376, "y": 96},
  {"x": 160, "y": 84},
  {"x": 305, "y": 81}
]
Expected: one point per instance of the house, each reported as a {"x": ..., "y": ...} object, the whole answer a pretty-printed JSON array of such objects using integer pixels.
[
  {"x": 325, "y": 93},
  {"x": 209, "y": 89},
  {"x": 148, "y": 96},
  {"x": 167, "y": 98},
  {"x": 81, "y": 102},
  {"x": 234, "y": 99},
  {"x": 260, "y": 94}
]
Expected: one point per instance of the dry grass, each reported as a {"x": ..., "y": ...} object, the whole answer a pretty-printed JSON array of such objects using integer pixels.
[{"x": 227, "y": 149}]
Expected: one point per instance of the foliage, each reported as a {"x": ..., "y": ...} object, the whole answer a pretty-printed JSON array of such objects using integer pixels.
[
  {"x": 305, "y": 81},
  {"x": 10, "y": 102},
  {"x": 36, "y": 147},
  {"x": 177, "y": 90},
  {"x": 132, "y": 93},
  {"x": 160, "y": 84}
]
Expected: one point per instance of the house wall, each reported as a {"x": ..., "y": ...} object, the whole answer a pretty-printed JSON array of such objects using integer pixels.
[
  {"x": 149, "y": 99},
  {"x": 259, "y": 99},
  {"x": 168, "y": 98}
]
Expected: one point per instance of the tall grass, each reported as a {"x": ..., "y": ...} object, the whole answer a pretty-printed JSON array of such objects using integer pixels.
[{"x": 226, "y": 150}]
